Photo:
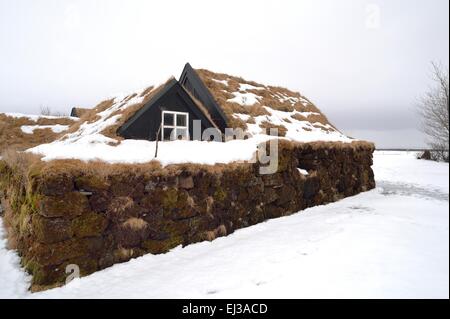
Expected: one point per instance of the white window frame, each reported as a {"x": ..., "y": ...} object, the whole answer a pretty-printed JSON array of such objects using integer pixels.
[{"x": 175, "y": 126}]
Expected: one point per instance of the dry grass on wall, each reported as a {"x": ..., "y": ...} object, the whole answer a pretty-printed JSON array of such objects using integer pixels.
[
  {"x": 135, "y": 223},
  {"x": 102, "y": 170}
]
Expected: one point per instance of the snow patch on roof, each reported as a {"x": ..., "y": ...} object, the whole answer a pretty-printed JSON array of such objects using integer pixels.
[
  {"x": 224, "y": 82},
  {"x": 57, "y": 128},
  {"x": 297, "y": 130},
  {"x": 106, "y": 118},
  {"x": 241, "y": 116},
  {"x": 282, "y": 97},
  {"x": 245, "y": 99},
  {"x": 246, "y": 87}
]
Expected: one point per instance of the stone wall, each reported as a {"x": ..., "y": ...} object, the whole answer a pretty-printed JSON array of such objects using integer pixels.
[{"x": 96, "y": 215}]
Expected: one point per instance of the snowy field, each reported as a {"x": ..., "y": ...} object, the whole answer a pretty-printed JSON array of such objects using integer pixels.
[{"x": 391, "y": 242}]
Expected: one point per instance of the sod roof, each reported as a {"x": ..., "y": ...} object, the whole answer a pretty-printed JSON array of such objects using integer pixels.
[
  {"x": 22, "y": 131},
  {"x": 256, "y": 107}
]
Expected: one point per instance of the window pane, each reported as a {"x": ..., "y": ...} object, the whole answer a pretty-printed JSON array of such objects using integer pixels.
[
  {"x": 182, "y": 134},
  {"x": 167, "y": 133},
  {"x": 168, "y": 119},
  {"x": 181, "y": 119}
]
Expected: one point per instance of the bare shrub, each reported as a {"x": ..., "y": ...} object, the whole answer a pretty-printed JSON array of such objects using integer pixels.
[
  {"x": 45, "y": 110},
  {"x": 433, "y": 108}
]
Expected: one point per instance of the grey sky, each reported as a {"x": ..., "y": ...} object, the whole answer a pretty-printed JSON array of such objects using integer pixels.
[{"x": 364, "y": 63}]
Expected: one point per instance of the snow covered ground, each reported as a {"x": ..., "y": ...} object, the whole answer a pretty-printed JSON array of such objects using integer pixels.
[{"x": 391, "y": 242}]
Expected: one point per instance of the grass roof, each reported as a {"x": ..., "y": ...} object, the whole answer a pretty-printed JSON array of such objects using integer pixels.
[
  {"x": 224, "y": 89},
  {"x": 13, "y": 137}
]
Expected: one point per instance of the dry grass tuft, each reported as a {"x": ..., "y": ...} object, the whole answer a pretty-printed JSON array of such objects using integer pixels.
[
  {"x": 251, "y": 120},
  {"x": 236, "y": 122},
  {"x": 267, "y": 125},
  {"x": 147, "y": 91},
  {"x": 355, "y": 145},
  {"x": 120, "y": 204},
  {"x": 97, "y": 168},
  {"x": 8, "y": 223},
  {"x": 20, "y": 160},
  {"x": 135, "y": 223},
  {"x": 299, "y": 117},
  {"x": 123, "y": 254}
]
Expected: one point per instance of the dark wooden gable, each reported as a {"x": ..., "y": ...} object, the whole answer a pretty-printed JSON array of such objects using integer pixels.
[
  {"x": 172, "y": 97},
  {"x": 190, "y": 80}
]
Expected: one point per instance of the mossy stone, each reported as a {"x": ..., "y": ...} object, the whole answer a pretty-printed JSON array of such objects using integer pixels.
[
  {"x": 162, "y": 246},
  {"x": 57, "y": 253},
  {"x": 51, "y": 275},
  {"x": 286, "y": 194},
  {"x": 89, "y": 225},
  {"x": 220, "y": 194},
  {"x": 127, "y": 236},
  {"x": 181, "y": 208},
  {"x": 23, "y": 221},
  {"x": 170, "y": 198},
  {"x": 91, "y": 183},
  {"x": 311, "y": 187},
  {"x": 53, "y": 184},
  {"x": 69, "y": 205},
  {"x": 175, "y": 228},
  {"x": 51, "y": 230},
  {"x": 99, "y": 201}
]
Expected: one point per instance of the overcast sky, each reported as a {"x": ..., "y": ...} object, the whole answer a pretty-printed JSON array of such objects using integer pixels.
[{"x": 363, "y": 63}]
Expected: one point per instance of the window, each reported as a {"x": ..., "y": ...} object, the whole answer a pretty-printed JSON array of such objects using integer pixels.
[{"x": 175, "y": 126}]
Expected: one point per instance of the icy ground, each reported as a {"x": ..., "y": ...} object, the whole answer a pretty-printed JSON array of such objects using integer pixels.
[{"x": 391, "y": 242}]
